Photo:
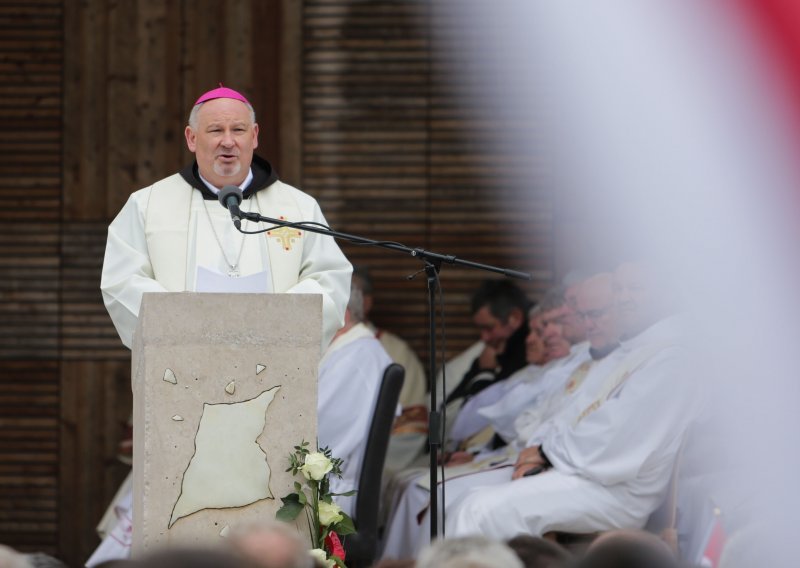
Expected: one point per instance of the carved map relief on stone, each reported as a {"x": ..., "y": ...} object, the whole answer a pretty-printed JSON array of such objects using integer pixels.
[{"x": 228, "y": 468}]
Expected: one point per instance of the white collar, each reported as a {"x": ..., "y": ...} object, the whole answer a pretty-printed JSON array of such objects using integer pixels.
[
  {"x": 242, "y": 185},
  {"x": 358, "y": 331}
]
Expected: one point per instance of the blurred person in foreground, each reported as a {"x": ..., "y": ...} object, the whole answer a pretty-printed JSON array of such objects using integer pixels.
[
  {"x": 180, "y": 557},
  {"x": 468, "y": 552},
  {"x": 271, "y": 545},
  {"x": 10, "y": 558},
  {"x": 537, "y": 552},
  {"x": 628, "y": 549}
]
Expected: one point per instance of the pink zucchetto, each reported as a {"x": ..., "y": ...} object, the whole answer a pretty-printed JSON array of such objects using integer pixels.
[{"x": 222, "y": 93}]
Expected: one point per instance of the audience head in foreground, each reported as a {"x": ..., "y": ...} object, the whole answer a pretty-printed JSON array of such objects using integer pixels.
[
  {"x": 10, "y": 558},
  {"x": 628, "y": 549},
  {"x": 468, "y": 552},
  {"x": 271, "y": 545},
  {"x": 537, "y": 552},
  {"x": 192, "y": 558}
]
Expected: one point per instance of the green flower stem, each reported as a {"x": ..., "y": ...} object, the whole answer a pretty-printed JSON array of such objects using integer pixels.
[
  {"x": 310, "y": 521},
  {"x": 315, "y": 513}
]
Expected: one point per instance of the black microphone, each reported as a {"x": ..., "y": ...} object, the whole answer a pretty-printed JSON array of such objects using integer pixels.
[{"x": 230, "y": 197}]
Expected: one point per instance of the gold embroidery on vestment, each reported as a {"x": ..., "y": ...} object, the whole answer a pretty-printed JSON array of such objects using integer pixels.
[{"x": 285, "y": 235}]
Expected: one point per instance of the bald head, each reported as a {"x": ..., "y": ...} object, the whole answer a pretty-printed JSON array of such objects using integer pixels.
[
  {"x": 271, "y": 545},
  {"x": 629, "y": 549}
]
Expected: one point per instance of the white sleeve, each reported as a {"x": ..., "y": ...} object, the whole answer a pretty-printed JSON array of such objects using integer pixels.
[
  {"x": 326, "y": 271},
  {"x": 469, "y": 420},
  {"x": 127, "y": 272},
  {"x": 648, "y": 415}
]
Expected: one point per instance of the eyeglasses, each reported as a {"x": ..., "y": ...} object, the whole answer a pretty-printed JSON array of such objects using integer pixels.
[{"x": 594, "y": 315}]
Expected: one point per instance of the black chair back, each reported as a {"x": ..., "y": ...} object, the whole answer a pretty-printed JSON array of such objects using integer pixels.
[{"x": 361, "y": 546}]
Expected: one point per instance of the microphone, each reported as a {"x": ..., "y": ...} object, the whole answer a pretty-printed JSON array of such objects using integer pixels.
[{"x": 230, "y": 197}]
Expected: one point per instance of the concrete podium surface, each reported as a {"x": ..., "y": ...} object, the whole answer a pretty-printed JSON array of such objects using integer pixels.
[{"x": 225, "y": 385}]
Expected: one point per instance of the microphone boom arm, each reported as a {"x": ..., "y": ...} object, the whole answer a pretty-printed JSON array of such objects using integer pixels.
[{"x": 433, "y": 257}]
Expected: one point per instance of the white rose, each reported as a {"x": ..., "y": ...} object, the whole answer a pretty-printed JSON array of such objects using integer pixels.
[
  {"x": 316, "y": 466},
  {"x": 329, "y": 514},
  {"x": 321, "y": 556}
]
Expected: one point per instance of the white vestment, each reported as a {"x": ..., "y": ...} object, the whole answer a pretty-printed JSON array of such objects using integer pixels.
[
  {"x": 570, "y": 398},
  {"x": 162, "y": 238},
  {"x": 527, "y": 388},
  {"x": 469, "y": 421},
  {"x": 446, "y": 381},
  {"x": 611, "y": 461},
  {"x": 350, "y": 376},
  {"x": 531, "y": 394}
]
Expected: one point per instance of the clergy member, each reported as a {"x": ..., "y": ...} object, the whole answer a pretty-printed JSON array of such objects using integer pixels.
[
  {"x": 606, "y": 460},
  {"x": 533, "y": 388},
  {"x": 174, "y": 236},
  {"x": 499, "y": 311},
  {"x": 350, "y": 377}
]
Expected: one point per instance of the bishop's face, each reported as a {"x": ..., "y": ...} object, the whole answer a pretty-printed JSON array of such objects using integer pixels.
[{"x": 223, "y": 141}]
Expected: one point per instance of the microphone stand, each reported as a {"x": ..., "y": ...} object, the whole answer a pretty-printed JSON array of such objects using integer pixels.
[{"x": 432, "y": 266}]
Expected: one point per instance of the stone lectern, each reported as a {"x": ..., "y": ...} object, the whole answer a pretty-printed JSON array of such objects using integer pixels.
[{"x": 224, "y": 386}]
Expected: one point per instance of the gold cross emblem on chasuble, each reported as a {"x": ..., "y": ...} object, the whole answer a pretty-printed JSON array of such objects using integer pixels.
[{"x": 285, "y": 235}]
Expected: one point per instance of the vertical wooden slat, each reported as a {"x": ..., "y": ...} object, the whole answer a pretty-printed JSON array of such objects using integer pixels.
[
  {"x": 265, "y": 76},
  {"x": 123, "y": 170},
  {"x": 237, "y": 50},
  {"x": 85, "y": 166},
  {"x": 290, "y": 146},
  {"x": 30, "y": 169},
  {"x": 29, "y": 403},
  {"x": 95, "y": 404},
  {"x": 151, "y": 90}
]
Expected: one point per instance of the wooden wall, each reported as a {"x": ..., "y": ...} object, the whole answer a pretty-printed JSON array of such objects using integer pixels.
[
  {"x": 393, "y": 151},
  {"x": 354, "y": 108}
]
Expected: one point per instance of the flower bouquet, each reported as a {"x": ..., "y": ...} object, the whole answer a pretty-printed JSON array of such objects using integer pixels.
[{"x": 326, "y": 520}]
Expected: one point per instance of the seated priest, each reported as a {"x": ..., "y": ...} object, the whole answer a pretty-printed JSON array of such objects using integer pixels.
[{"x": 350, "y": 376}]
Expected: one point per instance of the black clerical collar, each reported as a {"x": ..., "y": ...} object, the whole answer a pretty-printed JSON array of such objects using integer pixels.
[
  {"x": 597, "y": 354},
  {"x": 264, "y": 175}
]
